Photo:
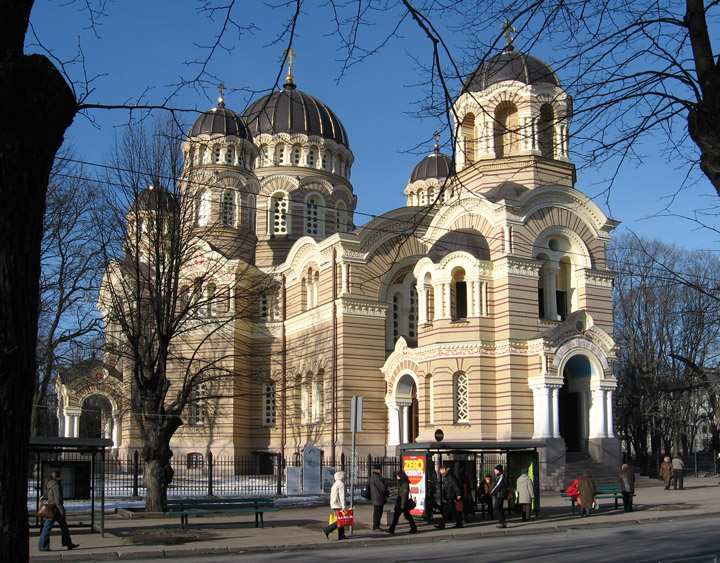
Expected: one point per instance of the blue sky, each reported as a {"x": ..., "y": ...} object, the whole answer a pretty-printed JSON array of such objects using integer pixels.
[{"x": 146, "y": 45}]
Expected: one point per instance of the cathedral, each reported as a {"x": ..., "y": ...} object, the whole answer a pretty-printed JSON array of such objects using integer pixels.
[{"x": 483, "y": 307}]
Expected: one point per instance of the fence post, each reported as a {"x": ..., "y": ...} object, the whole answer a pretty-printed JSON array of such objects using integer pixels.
[
  {"x": 136, "y": 473},
  {"x": 210, "y": 473},
  {"x": 342, "y": 461},
  {"x": 279, "y": 465},
  {"x": 696, "y": 471}
]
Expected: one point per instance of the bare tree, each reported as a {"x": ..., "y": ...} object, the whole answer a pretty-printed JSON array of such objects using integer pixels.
[
  {"x": 173, "y": 297},
  {"x": 70, "y": 272}
]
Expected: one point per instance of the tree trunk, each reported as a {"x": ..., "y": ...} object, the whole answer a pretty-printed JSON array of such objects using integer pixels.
[
  {"x": 158, "y": 470},
  {"x": 36, "y": 107}
]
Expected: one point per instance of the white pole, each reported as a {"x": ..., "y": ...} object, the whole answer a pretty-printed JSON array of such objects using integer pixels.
[{"x": 355, "y": 413}]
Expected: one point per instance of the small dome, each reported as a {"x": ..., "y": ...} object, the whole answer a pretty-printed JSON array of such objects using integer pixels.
[
  {"x": 510, "y": 65},
  {"x": 293, "y": 111},
  {"x": 152, "y": 198},
  {"x": 434, "y": 165},
  {"x": 220, "y": 120}
]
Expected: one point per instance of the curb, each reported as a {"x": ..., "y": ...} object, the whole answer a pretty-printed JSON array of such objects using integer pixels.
[{"x": 365, "y": 542}]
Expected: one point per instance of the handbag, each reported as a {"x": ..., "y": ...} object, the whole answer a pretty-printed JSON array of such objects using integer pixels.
[
  {"x": 365, "y": 493},
  {"x": 345, "y": 518},
  {"x": 46, "y": 510},
  {"x": 459, "y": 508},
  {"x": 410, "y": 504}
]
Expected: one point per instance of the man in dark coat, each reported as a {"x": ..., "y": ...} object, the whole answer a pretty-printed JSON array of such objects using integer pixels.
[
  {"x": 378, "y": 494},
  {"x": 627, "y": 486},
  {"x": 499, "y": 493},
  {"x": 451, "y": 494},
  {"x": 402, "y": 503}
]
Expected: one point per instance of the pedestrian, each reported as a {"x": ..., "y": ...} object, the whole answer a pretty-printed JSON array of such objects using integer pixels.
[
  {"x": 378, "y": 494},
  {"x": 452, "y": 508},
  {"x": 499, "y": 493},
  {"x": 337, "y": 502},
  {"x": 678, "y": 468},
  {"x": 484, "y": 495},
  {"x": 56, "y": 505},
  {"x": 627, "y": 486},
  {"x": 525, "y": 491},
  {"x": 666, "y": 472},
  {"x": 403, "y": 503},
  {"x": 587, "y": 491}
]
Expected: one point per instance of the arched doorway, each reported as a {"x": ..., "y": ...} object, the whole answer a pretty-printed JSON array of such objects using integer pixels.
[
  {"x": 96, "y": 417},
  {"x": 574, "y": 403},
  {"x": 407, "y": 401}
]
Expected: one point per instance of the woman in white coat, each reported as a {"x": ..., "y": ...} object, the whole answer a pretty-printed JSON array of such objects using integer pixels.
[{"x": 337, "y": 502}]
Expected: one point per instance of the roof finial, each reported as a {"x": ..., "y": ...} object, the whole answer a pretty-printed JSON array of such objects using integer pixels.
[
  {"x": 508, "y": 31},
  {"x": 290, "y": 77},
  {"x": 221, "y": 95},
  {"x": 436, "y": 136}
]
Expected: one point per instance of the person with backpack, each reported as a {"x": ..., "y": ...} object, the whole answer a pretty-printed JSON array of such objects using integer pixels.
[{"x": 378, "y": 493}]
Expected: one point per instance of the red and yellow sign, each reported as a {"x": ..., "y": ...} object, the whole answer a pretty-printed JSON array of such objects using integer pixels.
[{"x": 415, "y": 466}]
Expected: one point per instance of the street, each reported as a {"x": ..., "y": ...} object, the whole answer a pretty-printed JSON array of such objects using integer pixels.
[{"x": 694, "y": 540}]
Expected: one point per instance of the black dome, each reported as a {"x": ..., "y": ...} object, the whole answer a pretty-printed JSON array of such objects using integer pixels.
[
  {"x": 220, "y": 120},
  {"x": 293, "y": 111},
  {"x": 510, "y": 65},
  {"x": 434, "y": 165},
  {"x": 155, "y": 199}
]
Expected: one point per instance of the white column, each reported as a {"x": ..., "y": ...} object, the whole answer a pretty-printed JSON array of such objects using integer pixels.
[
  {"x": 438, "y": 289},
  {"x": 405, "y": 409},
  {"x": 542, "y": 412},
  {"x": 550, "y": 270},
  {"x": 555, "y": 412},
  {"x": 68, "y": 426},
  {"x": 61, "y": 424},
  {"x": 422, "y": 306},
  {"x": 116, "y": 431},
  {"x": 609, "y": 412},
  {"x": 597, "y": 414},
  {"x": 393, "y": 425},
  {"x": 344, "y": 278}
]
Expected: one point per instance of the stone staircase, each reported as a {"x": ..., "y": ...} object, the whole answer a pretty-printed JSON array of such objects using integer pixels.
[{"x": 576, "y": 463}]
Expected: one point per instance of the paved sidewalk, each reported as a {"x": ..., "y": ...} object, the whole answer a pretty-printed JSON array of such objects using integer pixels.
[{"x": 297, "y": 528}]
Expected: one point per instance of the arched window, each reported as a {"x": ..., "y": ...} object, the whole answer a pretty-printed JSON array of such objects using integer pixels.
[
  {"x": 317, "y": 398},
  {"x": 341, "y": 222},
  {"x": 506, "y": 132},
  {"x": 306, "y": 399},
  {"x": 397, "y": 298},
  {"x": 296, "y": 154},
  {"x": 324, "y": 159},
  {"x": 203, "y": 207},
  {"x": 431, "y": 398},
  {"x": 264, "y": 307},
  {"x": 216, "y": 154},
  {"x": 184, "y": 297},
  {"x": 202, "y": 152},
  {"x": 461, "y": 397},
  {"x": 468, "y": 137},
  {"x": 263, "y": 158},
  {"x": 429, "y": 298},
  {"x": 195, "y": 460},
  {"x": 197, "y": 405},
  {"x": 221, "y": 303},
  {"x": 279, "y": 154},
  {"x": 412, "y": 313},
  {"x": 459, "y": 295},
  {"x": 269, "y": 404},
  {"x": 431, "y": 196},
  {"x": 546, "y": 123},
  {"x": 564, "y": 289},
  {"x": 421, "y": 197},
  {"x": 210, "y": 291},
  {"x": 251, "y": 211},
  {"x": 278, "y": 214},
  {"x": 312, "y": 215},
  {"x": 312, "y": 157},
  {"x": 227, "y": 209},
  {"x": 230, "y": 154}
]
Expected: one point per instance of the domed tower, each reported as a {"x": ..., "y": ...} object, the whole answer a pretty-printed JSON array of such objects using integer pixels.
[
  {"x": 303, "y": 164},
  {"x": 219, "y": 162},
  {"x": 429, "y": 180},
  {"x": 512, "y": 108}
]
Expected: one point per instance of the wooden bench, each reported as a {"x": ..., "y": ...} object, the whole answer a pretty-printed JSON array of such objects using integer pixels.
[
  {"x": 223, "y": 505},
  {"x": 602, "y": 492}
]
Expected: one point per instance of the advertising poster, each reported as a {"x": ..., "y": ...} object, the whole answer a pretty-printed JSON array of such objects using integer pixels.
[{"x": 415, "y": 466}]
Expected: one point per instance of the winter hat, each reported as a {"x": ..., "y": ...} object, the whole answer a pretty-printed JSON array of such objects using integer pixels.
[{"x": 499, "y": 468}]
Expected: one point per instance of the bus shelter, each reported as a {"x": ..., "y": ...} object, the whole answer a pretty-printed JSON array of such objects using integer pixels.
[
  {"x": 81, "y": 462},
  {"x": 470, "y": 463}
]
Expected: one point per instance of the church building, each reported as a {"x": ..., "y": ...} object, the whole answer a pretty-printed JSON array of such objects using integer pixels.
[{"x": 483, "y": 306}]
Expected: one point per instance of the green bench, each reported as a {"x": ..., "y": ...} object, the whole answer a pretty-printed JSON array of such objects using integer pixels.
[
  {"x": 223, "y": 505},
  {"x": 613, "y": 492}
]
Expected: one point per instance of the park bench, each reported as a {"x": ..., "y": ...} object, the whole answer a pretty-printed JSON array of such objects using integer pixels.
[
  {"x": 221, "y": 505},
  {"x": 613, "y": 492}
]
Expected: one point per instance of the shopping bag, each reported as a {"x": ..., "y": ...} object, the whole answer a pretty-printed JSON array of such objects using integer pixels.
[
  {"x": 345, "y": 518},
  {"x": 46, "y": 510},
  {"x": 459, "y": 508}
]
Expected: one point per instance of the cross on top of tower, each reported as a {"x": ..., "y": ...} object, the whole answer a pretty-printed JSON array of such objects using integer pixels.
[
  {"x": 508, "y": 31},
  {"x": 221, "y": 95},
  {"x": 436, "y": 136},
  {"x": 290, "y": 77}
]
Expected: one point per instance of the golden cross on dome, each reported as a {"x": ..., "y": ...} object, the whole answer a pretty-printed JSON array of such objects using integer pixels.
[
  {"x": 290, "y": 78},
  {"x": 221, "y": 92},
  {"x": 436, "y": 136},
  {"x": 508, "y": 31}
]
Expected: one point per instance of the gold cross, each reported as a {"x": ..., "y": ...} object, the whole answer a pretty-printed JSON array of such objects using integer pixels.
[
  {"x": 221, "y": 90},
  {"x": 290, "y": 78},
  {"x": 436, "y": 136},
  {"x": 508, "y": 31}
]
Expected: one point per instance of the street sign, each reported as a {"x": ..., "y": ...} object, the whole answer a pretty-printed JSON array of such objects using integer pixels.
[
  {"x": 356, "y": 413},
  {"x": 439, "y": 435}
]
